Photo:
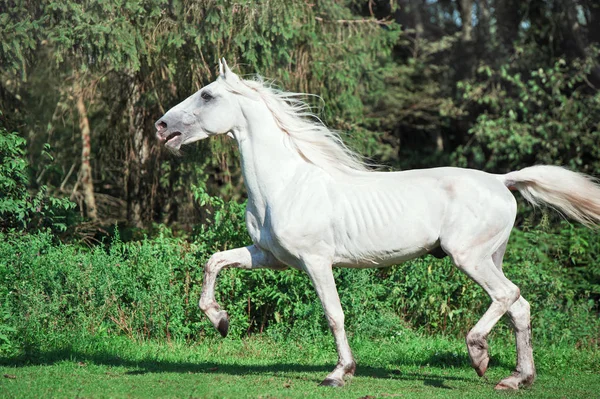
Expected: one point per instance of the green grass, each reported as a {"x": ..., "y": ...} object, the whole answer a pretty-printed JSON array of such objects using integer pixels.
[{"x": 405, "y": 366}]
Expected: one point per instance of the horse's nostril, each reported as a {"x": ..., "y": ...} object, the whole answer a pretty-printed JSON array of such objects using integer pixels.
[{"x": 161, "y": 125}]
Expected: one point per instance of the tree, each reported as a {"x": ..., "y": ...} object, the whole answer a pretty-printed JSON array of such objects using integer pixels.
[{"x": 137, "y": 60}]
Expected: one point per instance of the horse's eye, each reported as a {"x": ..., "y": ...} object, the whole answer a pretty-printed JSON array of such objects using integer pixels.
[{"x": 206, "y": 96}]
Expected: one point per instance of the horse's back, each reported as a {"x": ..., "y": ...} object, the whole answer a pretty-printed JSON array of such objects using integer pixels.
[{"x": 387, "y": 217}]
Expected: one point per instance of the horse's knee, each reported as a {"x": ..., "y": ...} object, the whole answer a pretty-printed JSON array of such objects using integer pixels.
[
  {"x": 476, "y": 340},
  {"x": 213, "y": 262},
  {"x": 510, "y": 295},
  {"x": 505, "y": 296},
  {"x": 335, "y": 320}
]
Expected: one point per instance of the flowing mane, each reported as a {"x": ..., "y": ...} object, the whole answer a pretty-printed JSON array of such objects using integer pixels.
[{"x": 314, "y": 141}]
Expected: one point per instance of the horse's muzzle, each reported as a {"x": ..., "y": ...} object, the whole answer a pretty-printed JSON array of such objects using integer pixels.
[{"x": 161, "y": 130}]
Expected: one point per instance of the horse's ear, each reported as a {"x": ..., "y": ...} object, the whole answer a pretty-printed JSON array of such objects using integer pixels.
[
  {"x": 225, "y": 72},
  {"x": 234, "y": 82}
]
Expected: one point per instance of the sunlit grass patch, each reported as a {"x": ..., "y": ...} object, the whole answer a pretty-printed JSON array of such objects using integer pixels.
[{"x": 414, "y": 366}]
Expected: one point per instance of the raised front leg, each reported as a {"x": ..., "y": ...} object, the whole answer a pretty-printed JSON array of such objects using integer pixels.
[
  {"x": 250, "y": 257},
  {"x": 322, "y": 277}
]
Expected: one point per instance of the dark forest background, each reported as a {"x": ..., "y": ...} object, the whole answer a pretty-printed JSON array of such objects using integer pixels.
[{"x": 489, "y": 84}]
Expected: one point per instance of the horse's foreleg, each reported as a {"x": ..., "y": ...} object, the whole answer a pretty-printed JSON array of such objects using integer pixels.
[
  {"x": 521, "y": 321},
  {"x": 321, "y": 276},
  {"x": 250, "y": 257}
]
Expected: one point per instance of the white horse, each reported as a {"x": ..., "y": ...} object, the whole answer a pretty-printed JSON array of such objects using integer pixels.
[{"x": 313, "y": 205}]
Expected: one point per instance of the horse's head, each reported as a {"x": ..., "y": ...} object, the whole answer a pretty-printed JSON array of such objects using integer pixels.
[{"x": 212, "y": 110}]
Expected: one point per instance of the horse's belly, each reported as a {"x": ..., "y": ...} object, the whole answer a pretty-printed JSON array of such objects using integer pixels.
[
  {"x": 387, "y": 227},
  {"x": 388, "y": 258},
  {"x": 394, "y": 249}
]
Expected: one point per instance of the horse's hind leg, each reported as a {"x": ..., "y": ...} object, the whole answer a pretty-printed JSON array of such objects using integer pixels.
[
  {"x": 525, "y": 372},
  {"x": 520, "y": 319},
  {"x": 503, "y": 294}
]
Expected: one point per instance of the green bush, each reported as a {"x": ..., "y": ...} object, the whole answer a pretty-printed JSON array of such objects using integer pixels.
[
  {"x": 18, "y": 208},
  {"x": 150, "y": 288},
  {"x": 548, "y": 115}
]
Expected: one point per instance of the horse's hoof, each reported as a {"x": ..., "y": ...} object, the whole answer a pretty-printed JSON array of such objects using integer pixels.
[
  {"x": 514, "y": 381},
  {"x": 223, "y": 326},
  {"x": 506, "y": 386},
  {"x": 330, "y": 382},
  {"x": 482, "y": 367},
  {"x": 478, "y": 352}
]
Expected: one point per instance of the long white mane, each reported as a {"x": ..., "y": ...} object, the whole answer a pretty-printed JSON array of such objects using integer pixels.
[{"x": 314, "y": 141}]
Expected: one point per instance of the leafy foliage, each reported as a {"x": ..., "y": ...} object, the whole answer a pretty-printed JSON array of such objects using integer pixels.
[
  {"x": 133, "y": 61},
  {"x": 547, "y": 116},
  {"x": 494, "y": 84},
  {"x": 488, "y": 84},
  {"x": 150, "y": 288},
  {"x": 19, "y": 209}
]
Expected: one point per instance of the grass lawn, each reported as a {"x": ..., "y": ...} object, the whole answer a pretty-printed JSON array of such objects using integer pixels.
[{"x": 406, "y": 366}]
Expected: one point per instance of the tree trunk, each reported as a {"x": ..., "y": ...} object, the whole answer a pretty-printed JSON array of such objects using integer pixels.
[
  {"x": 507, "y": 25},
  {"x": 85, "y": 174},
  {"x": 576, "y": 39},
  {"x": 593, "y": 28},
  {"x": 593, "y": 24},
  {"x": 439, "y": 140},
  {"x": 415, "y": 6},
  {"x": 482, "y": 31},
  {"x": 138, "y": 179},
  {"x": 466, "y": 8},
  {"x": 484, "y": 16},
  {"x": 466, "y": 51}
]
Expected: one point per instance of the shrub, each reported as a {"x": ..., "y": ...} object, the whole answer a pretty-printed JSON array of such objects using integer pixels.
[
  {"x": 18, "y": 208},
  {"x": 150, "y": 288},
  {"x": 545, "y": 116}
]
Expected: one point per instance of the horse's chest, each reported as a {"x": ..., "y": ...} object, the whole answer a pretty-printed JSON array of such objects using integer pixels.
[
  {"x": 263, "y": 236},
  {"x": 288, "y": 231},
  {"x": 255, "y": 221}
]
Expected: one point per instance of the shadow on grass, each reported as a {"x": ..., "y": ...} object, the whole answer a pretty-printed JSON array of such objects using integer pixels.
[
  {"x": 435, "y": 383},
  {"x": 146, "y": 366}
]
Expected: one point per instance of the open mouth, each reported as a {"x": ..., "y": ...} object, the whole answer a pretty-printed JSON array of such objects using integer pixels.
[{"x": 172, "y": 136}]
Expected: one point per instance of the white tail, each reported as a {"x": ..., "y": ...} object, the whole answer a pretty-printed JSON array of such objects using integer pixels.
[{"x": 575, "y": 194}]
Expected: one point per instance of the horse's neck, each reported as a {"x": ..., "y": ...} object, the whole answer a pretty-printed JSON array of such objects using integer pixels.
[{"x": 268, "y": 164}]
